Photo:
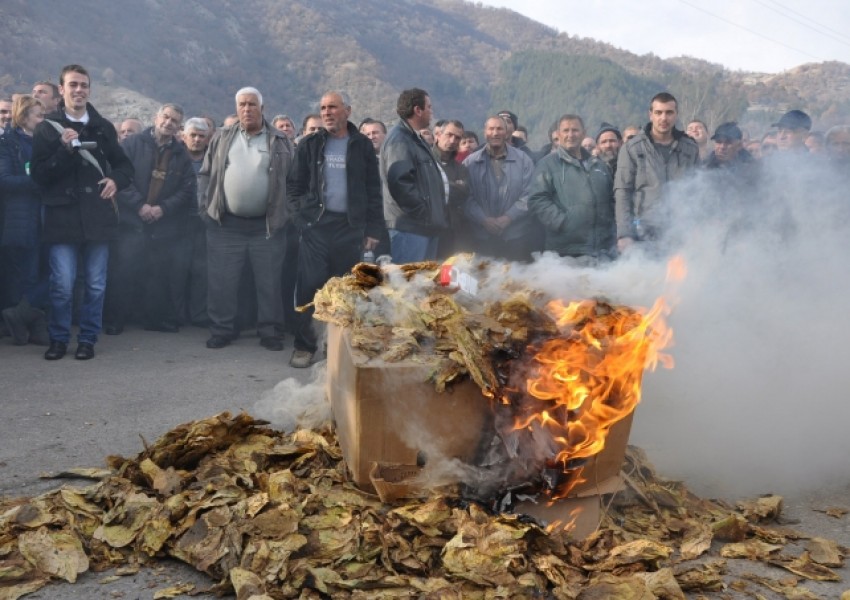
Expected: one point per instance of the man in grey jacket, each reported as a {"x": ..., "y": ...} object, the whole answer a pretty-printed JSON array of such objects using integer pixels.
[
  {"x": 242, "y": 188},
  {"x": 415, "y": 186},
  {"x": 497, "y": 208},
  {"x": 647, "y": 162}
]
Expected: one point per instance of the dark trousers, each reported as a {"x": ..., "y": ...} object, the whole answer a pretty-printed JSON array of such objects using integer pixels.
[
  {"x": 190, "y": 283},
  {"x": 290, "y": 276},
  {"x": 229, "y": 246},
  {"x": 26, "y": 275},
  {"x": 517, "y": 250},
  {"x": 141, "y": 276},
  {"x": 328, "y": 249}
]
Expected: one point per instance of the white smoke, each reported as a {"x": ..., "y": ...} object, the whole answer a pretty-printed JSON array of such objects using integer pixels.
[{"x": 291, "y": 404}]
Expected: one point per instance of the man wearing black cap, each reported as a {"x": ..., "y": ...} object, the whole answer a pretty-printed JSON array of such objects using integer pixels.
[
  {"x": 729, "y": 155},
  {"x": 608, "y": 143},
  {"x": 792, "y": 130}
]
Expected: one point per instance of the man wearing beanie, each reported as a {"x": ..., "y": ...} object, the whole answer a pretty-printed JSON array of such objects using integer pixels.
[{"x": 608, "y": 142}]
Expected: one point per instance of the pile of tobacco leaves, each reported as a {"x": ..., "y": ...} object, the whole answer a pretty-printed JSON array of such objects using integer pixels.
[{"x": 270, "y": 515}]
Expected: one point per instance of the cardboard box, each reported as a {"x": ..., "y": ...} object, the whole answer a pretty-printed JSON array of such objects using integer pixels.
[{"x": 389, "y": 413}]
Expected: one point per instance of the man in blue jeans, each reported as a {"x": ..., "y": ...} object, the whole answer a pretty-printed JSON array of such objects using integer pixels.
[{"x": 80, "y": 166}]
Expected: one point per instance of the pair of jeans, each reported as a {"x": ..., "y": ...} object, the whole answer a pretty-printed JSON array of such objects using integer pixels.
[
  {"x": 24, "y": 276},
  {"x": 94, "y": 257},
  {"x": 411, "y": 247}
]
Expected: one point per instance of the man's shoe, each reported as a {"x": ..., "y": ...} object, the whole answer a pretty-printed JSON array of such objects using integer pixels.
[
  {"x": 272, "y": 343},
  {"x": 301, "y": 359},
  {"x": 163, "y": 327},
  {"x": 56, "y": 351},
  {"x": 113, "y": 329},
  {"x": 217, "y": 341},
  {"x": 17, "y": 326},
  {"x": 85, "y": 351}
]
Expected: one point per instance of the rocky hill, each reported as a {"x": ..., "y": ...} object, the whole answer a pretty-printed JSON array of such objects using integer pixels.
[{"x": 472, "y": 60}]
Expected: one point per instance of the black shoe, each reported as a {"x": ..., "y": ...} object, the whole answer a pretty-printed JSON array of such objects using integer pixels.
[
  {"x": 163, "y": 327},
  {"x": 113, "y": 329},
  {"x": 272, "y": 343},
  {"x": 218, "y": 341},
  {"x": 85, "y": 351},
  {"x": 56, "y": 351}
]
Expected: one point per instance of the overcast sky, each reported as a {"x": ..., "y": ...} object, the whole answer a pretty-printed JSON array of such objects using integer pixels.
[{"x": 751, "y": 35}]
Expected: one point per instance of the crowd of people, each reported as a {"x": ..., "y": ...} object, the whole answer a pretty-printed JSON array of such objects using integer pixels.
[{"x": 186, "y": 223}]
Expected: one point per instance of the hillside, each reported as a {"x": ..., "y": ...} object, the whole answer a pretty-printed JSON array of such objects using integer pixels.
[{"x": 472, "y": 60}]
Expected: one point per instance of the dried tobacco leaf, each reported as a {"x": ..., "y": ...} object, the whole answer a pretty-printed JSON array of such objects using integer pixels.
[
  {"x": 805, "y": 567},
  {"x": 55, "y": 552},
  {"x": 751, "y": 549},
  {"x": 825, "y": 552},
  {"x": 766, "y": 508}
]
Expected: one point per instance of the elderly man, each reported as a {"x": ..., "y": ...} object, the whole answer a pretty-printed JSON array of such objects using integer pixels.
[
  {"x": 791, "y": 132},
  {"x": 416, "y": 188},
  {"x": 129, "y": 127},
  {"x": 647, "y": 162},
  {"x": 153, "y": 213},
  {"x": 729, "y": 152},
  {"x": 497, "y": 208},
  {"x": 609, "y": 140},
  {"x": 572, "y": 195},
  {"x": 79, "y": 185},
  {"x": 334, "y": 194},
  {"x": 242, "y": 189}
]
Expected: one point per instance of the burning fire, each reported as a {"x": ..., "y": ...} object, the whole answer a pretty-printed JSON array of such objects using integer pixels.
[{"x": 590, "y": 378}]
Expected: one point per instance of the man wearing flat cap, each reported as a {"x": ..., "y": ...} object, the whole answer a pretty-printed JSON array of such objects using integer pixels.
[
  {"x": 792, "y": 130},
  {"x": 729, "y": 156}
]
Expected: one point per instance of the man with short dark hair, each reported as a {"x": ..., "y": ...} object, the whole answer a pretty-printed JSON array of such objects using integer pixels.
[
  {"x": 572, "y": 195},
  {"x": 497, "y": 209},
  {"x": 242, "y": 186},
  {"x": 48, "y": 93},
  {"x": 153, "y": 212},
  {"x": 646, "y": 163},
  {"x": 79, "y": 183},
  {"x": 415, "y": 186},
  {"x": 334, "y": 191}
]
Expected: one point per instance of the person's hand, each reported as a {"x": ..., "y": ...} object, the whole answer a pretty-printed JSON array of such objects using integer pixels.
[
  {"x": 370, "y": 243},
  {"x": 68, "y": 136},
  {"x": 503, "y": 222},
  {"x": 107, "y": 188},
  {"x": 156, "y": 213},
  {"x": 625, "y": 243},
  {"x": 492, "y": 226}
]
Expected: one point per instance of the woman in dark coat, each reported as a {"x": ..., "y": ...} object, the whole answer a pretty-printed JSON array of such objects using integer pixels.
[{"x": 20, "y": 239}]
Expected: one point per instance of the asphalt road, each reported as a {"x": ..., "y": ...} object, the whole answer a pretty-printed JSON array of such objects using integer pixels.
[{"x": 68, "y": 413}]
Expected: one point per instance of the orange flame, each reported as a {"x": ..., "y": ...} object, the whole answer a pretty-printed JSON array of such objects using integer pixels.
[{"x": 590, "y": 378}]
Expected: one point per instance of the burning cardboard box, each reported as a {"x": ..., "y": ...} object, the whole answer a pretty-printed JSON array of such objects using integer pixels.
[{"x": 545, "y": 409}]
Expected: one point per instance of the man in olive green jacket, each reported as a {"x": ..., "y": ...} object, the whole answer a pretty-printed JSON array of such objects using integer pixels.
[{"x": 572, "y": 195}]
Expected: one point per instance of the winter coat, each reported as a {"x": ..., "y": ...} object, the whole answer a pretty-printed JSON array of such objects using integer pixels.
[
  {"x": 21, "y": 197},
  {"x": 641, "y": 176},
  {"x": 485, "y": 200},
  {"x": 211, "y": 176},
  {"x": 414, "y": 190},
  {"x": 73, "y": 209},
  {"x": 176, "y": 197},
  {"x": 305, "y": 183},
  {"x": 575, "y": 204}
]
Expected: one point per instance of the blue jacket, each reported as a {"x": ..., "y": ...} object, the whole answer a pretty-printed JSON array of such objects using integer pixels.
[
  {"x": 21, "y": 198},
  {"x": 485, "y": 200}
]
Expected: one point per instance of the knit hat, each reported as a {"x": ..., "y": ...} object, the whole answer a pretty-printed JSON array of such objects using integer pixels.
[{"x": 608, "y": 127}]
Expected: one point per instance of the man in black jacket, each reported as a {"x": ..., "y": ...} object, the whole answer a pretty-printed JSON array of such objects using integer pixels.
[
  {"x": 154, "y": 211},
  {"x": 334, "y": 192},
  {"x": 416, "y": 186},
  {"x": 80, "y": 167}
]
